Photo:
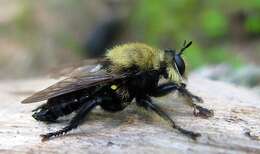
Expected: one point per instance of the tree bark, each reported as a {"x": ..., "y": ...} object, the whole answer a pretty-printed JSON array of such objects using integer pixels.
[{"x": 235, "y": 127}]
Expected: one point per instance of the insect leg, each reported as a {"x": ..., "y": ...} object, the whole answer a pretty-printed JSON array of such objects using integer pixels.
[
  {"x": 167, "y": 88},
  {"x": 148, "y": 104},
  {"x": 198, "y": 110},
  {"x": 164, "y": 89},
  {"x": 182, "y": 89},
  {"x": 77, "y": 119}
]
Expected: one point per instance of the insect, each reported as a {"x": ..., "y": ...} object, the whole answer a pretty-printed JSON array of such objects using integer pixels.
[{"x": 128, "y": 72}]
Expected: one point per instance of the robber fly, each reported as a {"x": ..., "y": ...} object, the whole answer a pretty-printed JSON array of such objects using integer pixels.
[{"x": 128, "y": 72}]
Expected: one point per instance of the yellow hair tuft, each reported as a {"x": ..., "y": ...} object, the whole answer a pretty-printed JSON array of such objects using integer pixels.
[{"x": 135, "y": 54}]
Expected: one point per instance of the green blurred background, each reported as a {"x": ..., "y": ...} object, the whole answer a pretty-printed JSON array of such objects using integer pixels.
[{"x": 39, "y": 36}]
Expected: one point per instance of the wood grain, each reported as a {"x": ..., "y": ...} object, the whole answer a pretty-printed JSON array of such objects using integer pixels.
[{"x": 235, "y": 128}]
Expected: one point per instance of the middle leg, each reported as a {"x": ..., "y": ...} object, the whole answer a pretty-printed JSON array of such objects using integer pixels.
[{"x": 148, "y": 104}]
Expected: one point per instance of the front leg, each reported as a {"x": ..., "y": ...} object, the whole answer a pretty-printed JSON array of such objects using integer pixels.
[
  {"x": 198, "y": 110},
  {"x": 164, "y": 89},
  {"x": 182, "y": 89},
  {"x": 147, "y": 103},
  {"x": 167, "y": 88}
]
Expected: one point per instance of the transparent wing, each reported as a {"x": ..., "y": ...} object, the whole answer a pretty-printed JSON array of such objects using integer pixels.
[
  {"x": 70, "y": 69},
  {"x": 78, "y": 80}
]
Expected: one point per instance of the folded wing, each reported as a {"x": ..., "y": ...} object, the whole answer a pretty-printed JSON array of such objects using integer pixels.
[{"x": 81, "y": 80}]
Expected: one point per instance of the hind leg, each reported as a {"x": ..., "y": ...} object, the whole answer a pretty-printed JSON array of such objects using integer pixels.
[
  {"x": 147, "y": 103},
  {"x": 77, "y": 119}
]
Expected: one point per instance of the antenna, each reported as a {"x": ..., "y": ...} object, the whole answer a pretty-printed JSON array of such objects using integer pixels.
[{"x": 185, "y": 46}]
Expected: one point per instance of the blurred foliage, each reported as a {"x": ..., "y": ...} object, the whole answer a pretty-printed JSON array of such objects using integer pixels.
[
  {"x": 253, "y": 24},
  {"x": 38, "y": 35},
  {"x": 217, "y": 26},
  {"x": 207, "y": 23}
]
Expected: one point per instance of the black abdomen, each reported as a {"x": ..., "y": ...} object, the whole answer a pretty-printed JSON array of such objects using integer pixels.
[{"x": 60, "y": 106}]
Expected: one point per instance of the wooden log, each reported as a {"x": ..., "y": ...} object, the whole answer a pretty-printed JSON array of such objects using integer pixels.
[{"x": 233, "y": 129}]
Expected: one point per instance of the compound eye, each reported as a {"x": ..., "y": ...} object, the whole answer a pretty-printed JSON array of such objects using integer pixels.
[{"x": 180, "y": 63}]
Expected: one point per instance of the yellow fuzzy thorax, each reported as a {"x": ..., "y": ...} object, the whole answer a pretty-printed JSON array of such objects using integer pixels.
[{"x": 135, "y": 54}]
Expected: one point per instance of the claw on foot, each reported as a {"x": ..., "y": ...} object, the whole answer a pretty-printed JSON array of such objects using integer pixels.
[
  {"x": 191, "y": 134},
  {"x": 194, "y": 136},
  {"x": 45, "y": 137},
  {"x": 202, "y": 112}
]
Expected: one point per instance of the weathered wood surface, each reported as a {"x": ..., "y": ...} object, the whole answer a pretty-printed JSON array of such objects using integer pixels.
[{"x": 234, "y": 128}]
